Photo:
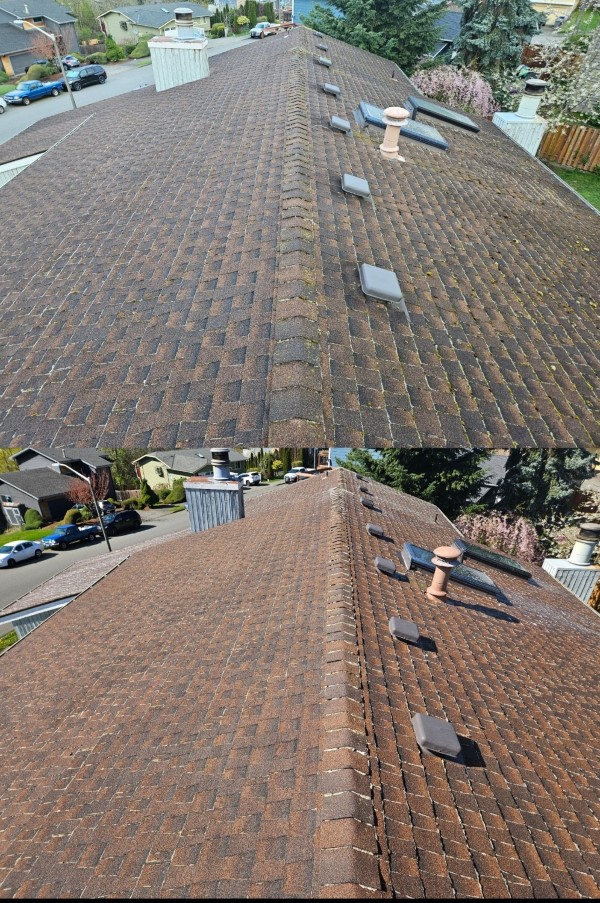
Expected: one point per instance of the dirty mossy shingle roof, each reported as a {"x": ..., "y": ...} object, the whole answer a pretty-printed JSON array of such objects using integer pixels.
[
  {"x": 193, "y": 726},
  {"x": 207, "y": 292}
]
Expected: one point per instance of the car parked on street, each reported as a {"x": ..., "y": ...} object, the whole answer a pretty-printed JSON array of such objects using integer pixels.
[
  {"x": 67, "y": 535},
  {"x": 3, "y": 105},
  {"x": 257, "y": 31},
  {"x": 70, "y": 62},
  {"x": 11, "y": 553},
  {"x": 25, "y": 92},
  {"x": 292, "y": 475},
  {"x": 121, "y": 521},
  {"x": 251, "y": 478},
  {"x": 84, "y": 76}
]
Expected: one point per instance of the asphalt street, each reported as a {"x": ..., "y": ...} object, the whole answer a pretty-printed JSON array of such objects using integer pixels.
[{"x": 123, "y": 77}]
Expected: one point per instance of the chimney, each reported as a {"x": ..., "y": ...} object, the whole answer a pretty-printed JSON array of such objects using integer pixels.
[
  {"x": 585, "y": 544},
  {"x": 445, "y": 558},
  {"x": 213, "y": 501},
  {"x": 394, "y": 118},
  {"x": 179, "y": 56},
  {"x": 525, "y": 127}
]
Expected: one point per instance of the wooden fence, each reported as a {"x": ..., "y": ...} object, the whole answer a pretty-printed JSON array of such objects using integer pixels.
[{"x": 577, "y": 146}]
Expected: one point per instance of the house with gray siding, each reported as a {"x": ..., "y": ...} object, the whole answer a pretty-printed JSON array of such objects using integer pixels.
[{"x": 17, "y": 47}]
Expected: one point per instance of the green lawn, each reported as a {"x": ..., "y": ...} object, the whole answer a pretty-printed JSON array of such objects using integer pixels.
[
  {"x": 4, "y": 89},
  {"x": 9, "y": 639},
  {"x": 31, "y": 535},
  {"x": 587, "y": 184},
  {"x": 581, "y": 22}
]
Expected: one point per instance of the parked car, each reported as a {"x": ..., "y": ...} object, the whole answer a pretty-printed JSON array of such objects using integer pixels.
[
  {"x": 25, "y": 92},
  {"x": 13, "y": 552},
  {"x": 292, "y": 475},
  {"x": 121, "y": 521},
  {"x": 3, "y": 105},
  {"x": 84, "y": 76},
  {"x": 106, "y": 507},
  {"x": 39, "y": 62},
  {"x": 251, "y": 478},
  {"x": 70, "y": 62},
  {"x": 68, "y": 534},
  {"x": 257, "y": 31}
]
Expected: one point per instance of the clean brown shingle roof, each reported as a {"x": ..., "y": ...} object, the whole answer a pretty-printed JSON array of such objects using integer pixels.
[
  {"x": 198, "y": 282},
  {"x": 231, "y": 717}
]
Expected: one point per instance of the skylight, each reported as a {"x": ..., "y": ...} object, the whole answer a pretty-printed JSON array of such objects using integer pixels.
[
  {"x": 496, "y": 559},
  {"x": 415, "y": 556},
  {"x": 368, "y": 114},
  {"x": 421, "y": 105}
]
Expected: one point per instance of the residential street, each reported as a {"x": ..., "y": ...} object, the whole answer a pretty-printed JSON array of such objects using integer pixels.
[{"x": 123, "y": 77}]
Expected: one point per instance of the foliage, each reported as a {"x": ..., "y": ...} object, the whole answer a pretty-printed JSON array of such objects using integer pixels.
[
  {"x": 132, "y": 503},
  {"x": 85, "y": 12},
  {"x": 458, "y": 87},
  {"x": 72, "y": 516},
  {"x": 41, "y": 46},
  {"x": 243, "y": 21},
  {"x": 98, "y": 57},
  {"x": 493, "y": 34},
  {"x": 148, "y": 497},
  {"x": 35, "y": 72},
  {"x": 540, "y": 483},
  {"x": 141, "y": 49},
  {"x": 113, "y": 51},
  {"x": 285, "y": 455},
  {"x": 218, "y": 30},
  {"x": 3, "y": 80},
  {"x": 127, "y": 47},
  {"x": 33, "y": 519},
  {"x": 278, "y": 466},
  {"x": 9, "y": 639},
  {"x": 177, "y": 493},
  {"x": 121, "y": 465},
  {"x": 269, "y": 12},
  {"x": 251, "y": 11},
  {"x": 79, "y": 491},
  {"x": 448, "y": 478},
  {"x": 594, "y": 600},
  {"x": 262, "y": 19},
  {"x": 399, "y": 30},
  {"x": 515, "y": 536},
  {"x": 6, "y": 465}
]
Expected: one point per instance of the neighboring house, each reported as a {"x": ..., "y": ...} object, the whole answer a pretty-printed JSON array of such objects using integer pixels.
[
  {"x": 86, "y": 461},
  {"x": 226, "y": 714},
  {"x": 449, "y": 29},
  {"x": 223, "y": 303},
  {"x": 129, "y": 23},
  {"x": 42, "y": 489},
  {"x": 17, "y": 47},
  {"x": 160, "y": 469}
]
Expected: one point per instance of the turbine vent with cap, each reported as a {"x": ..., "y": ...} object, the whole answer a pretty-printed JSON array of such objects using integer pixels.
[{"x": 445, "y": 559}]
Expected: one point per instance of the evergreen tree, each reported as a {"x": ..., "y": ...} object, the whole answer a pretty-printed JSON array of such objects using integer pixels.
[
  {"x": 269, "y": 12},
  {"x": 251, "y": 11},
  {"x": 121, "y": 467},
  {"x": 6, "y": 465},
  {"x": 539, "y": 482},
  {"x": 448, "y": 478},
  {"x": 493, "y": 34},
  {"x": 400, "y": 30},
  {"x": 148, "y": 497}
]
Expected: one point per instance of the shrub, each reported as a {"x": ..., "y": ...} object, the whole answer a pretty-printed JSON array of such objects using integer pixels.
[
  {"x": 261, "y": 19},
  {"x": 96, "y": 58},
  {"x": 36, "y": 71},
  {"x": 128, "y": 504},
  {"x": 243, "y": 21},
  {"x": 72, "y": 516},
  {"x": 127, "y": 47},
  {"x": 458, "y": 87},
  {"x": 113, "y": 51},
  {"x": 141, "y": 50},
  {"x": 33, "y": 519},
  {"x": 148, "y": 497},
  {"x": 177, "y": 494},
  {"x": 218, "y": 30},
  {"x": 163, "y": 493},
  {"x": 3, "y": 78},
  {"x": 515, "y": 536}
]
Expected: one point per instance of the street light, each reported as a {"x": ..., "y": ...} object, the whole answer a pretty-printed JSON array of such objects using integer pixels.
[
  {"x": 57, "y": 467},
  {"x": 26, "y": 25}
]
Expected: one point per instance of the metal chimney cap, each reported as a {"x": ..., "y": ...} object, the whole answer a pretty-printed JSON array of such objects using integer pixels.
[
  {"x": 448, "y": 556},
  {"x": 535, "y": 86},
  {"x": 591, "y": 529}
]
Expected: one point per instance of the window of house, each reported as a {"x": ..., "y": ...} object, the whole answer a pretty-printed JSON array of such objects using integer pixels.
[
  {"x": 160, "y": 472},
  {"x": 123, "y": 25}
]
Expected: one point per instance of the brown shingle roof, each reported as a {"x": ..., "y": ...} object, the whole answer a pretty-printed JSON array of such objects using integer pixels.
[
  {"x": 214, "y": 297},
  {"x": 231, "y": 717}
]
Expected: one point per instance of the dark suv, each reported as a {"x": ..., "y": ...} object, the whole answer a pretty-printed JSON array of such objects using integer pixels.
[
  {"x": 84, "y": 76},
  {"x": 121, "y": 521}
]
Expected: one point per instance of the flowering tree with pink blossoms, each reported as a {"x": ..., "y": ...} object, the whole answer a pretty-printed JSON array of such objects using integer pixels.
[
  {"x": 515, "y": 536},
  {"x": 457, "y": 87}
]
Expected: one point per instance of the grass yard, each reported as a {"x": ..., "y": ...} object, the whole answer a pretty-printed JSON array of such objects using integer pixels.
[
  {"x": 581, "y": 22},
  {"x": 587, "y": 184},
  {"x": 31, "y": 535},
  {"x": 9, "y": 639}
]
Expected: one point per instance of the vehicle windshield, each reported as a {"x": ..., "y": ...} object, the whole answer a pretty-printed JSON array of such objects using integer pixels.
[
  {"x": 72, "y": 73},
  {"x": 5, "y": 550}
]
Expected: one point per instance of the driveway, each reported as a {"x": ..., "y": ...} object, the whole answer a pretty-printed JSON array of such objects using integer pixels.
[{"x": 123, "y": 77}]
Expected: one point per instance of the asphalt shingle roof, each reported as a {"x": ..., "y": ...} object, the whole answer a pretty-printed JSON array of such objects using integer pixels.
[
  {"x": 242, "y": 726},
  {"x": 189, "y": 460},
  {"x": 217, "y": 301},
  {"x": 155, "y": 15},
  {"x": 39, "y": 483},
  {"x": 89, "y": 456},
  {"x": 45, "y": 9}
]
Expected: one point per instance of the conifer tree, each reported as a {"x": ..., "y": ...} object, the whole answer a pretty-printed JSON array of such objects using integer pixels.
[{"x": 493, "y": 34}]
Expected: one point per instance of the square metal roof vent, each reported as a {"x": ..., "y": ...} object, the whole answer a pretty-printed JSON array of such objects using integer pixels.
[
  {"x": 331, "y": 89},
  {"x": 379, "y": 283},
  {"x": 324, "y": 61},
  {"x": 322, "y": 47},
  {"x": 354, "y": 185},
  {"x": 375, "y": 530},
  {"x": 385, "y": 565},
  {"x": 404, "y": 630},
  {"x": 367, "y": 503},
  {"x": 436, "y": 735},
  {"x": 341, "y": 125}
]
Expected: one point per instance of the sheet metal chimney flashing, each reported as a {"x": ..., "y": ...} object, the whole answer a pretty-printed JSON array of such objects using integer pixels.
[
  {"x": 354, "y": 185},
  {"x": 375, "y": 530},
  {"x": 445, "y": 559},
  {"x": 404, "y": 630},
  {"x": 385, "y": 565},
  {"x": 394, "y": 117},
  {"x": 436, "y": 735},
  {"x": 585, "y": 544}
]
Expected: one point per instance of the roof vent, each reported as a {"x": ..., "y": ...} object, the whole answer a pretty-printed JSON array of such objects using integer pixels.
[
  {"x": 331, "y": 89},
  {"x": 363, "y": 489},
  {"x": 354, "y": 185},
  {"x": 531, "y": 99},
  {"x": 367, "y": 503},
  {"x": 385, "y": 565},
  {"x": 394, "y": 119},
  {"x": 368, "y": 114},
  {"x": 404, "y": 630},
  {"x": 436, "y": 735},
  {"x": 381, "y": 284},
  {"x": 341, "y": 125},
  {"x": 220, "y": 463},
  {"x": 446, "y": 558},
  {"x": 585, "y": 543},
  {"x": 322, "y": 47},
  {"x": 324, "y": 61},
  {"x": 375, "y": 530}
]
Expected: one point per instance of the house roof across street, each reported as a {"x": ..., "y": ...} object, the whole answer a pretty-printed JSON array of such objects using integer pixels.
[
  {"x": 217, "y": 301},
  {"x": 187, "y": 460},
  {"x": 202, "y": 723},
  {"x": 155, "y": 15},
  {"x": 42, "y": 482}
]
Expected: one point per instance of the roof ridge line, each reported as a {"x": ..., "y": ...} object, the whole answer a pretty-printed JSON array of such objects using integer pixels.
[
  {"x": 296, "y": 382},
  {"x": 346, "y": 847}
]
